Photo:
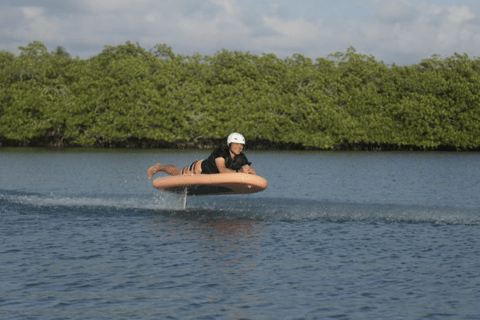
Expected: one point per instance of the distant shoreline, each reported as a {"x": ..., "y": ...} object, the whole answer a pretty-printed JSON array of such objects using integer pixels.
[
  {"x": 211, "y": 144},
  {"x": 129, "y": 97}
]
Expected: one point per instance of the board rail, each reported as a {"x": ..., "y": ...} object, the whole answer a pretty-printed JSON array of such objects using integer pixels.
[{"x": 211, "y": 184}]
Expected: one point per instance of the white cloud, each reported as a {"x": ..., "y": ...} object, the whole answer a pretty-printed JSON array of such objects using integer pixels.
[
  {"x": 459, "y": 15},
  {"x": 31, "y": 13},
  {"x": 406, "y": 28},
  {"x": 294, "y": 31},
  {"x": 115, "y": 6},
  {"x": 230, "y": 7},
  {"x": 403, "y": 31},
  {"x": 400, "y": 11}
]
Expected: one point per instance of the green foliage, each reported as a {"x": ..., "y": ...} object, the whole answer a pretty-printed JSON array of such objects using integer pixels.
[{"x": 127, "y": 93}]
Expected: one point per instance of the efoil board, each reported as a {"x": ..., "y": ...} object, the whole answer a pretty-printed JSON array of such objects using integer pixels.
[{"x": 212, "y": 184}]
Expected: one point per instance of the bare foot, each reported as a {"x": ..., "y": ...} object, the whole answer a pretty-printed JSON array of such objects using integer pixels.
[
  {"x": 171, "y": 170},
  {"x": 154, "y": 170}
]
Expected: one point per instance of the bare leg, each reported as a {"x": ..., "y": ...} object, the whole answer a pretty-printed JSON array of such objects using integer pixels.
[{"x": 171, "y": 170}]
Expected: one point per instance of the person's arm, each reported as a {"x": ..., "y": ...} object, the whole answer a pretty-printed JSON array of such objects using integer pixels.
[{"x": 220, "y": 162}]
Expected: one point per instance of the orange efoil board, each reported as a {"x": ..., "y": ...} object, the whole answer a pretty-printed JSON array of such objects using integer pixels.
[{"x": 212, "y": 184}]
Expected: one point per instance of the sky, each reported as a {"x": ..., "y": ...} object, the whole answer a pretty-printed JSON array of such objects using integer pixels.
[{"x": 394, "y": 31}]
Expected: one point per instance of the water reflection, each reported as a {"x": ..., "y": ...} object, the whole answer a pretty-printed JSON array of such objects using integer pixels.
[
  {"x": 212, "y": 251},
  {"x": 210, "y": 236}
]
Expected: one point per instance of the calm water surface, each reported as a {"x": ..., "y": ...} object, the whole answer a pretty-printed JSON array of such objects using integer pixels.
[{"x": 336, "y": 235}]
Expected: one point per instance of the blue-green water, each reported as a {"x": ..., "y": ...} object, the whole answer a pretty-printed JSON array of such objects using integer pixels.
[{"x": 335, "y": 235}]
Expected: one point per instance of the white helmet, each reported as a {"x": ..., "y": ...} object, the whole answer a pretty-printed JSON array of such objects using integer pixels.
[{"x": 235, "y": 137}]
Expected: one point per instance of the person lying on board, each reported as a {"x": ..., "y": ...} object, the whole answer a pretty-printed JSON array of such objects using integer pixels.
[{"x": 225, "y": 159}]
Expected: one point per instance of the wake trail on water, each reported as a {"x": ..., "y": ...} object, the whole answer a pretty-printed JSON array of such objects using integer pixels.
[
  {"x": 107, "y": 202},
  {"x": 247, "y": 208},
  {"x": 295, "y": 210}
]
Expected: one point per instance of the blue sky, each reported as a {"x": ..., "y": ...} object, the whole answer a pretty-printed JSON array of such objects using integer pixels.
[{"x": 400, "y": 31}]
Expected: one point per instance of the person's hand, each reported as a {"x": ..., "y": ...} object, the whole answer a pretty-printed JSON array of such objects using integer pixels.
[{"x": 247, "y": 169}]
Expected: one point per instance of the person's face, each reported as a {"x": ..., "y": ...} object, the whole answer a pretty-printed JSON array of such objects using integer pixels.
[{"x": 236, "y": 148}]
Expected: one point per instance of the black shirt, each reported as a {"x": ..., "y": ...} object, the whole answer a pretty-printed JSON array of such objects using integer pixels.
[{"x": 209, "y": 166}]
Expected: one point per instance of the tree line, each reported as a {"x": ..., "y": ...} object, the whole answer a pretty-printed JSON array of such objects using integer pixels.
[{"x": 128, "y": 96}]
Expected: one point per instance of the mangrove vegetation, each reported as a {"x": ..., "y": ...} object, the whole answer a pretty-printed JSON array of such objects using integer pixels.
[{"x": 128, "y": 96}]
